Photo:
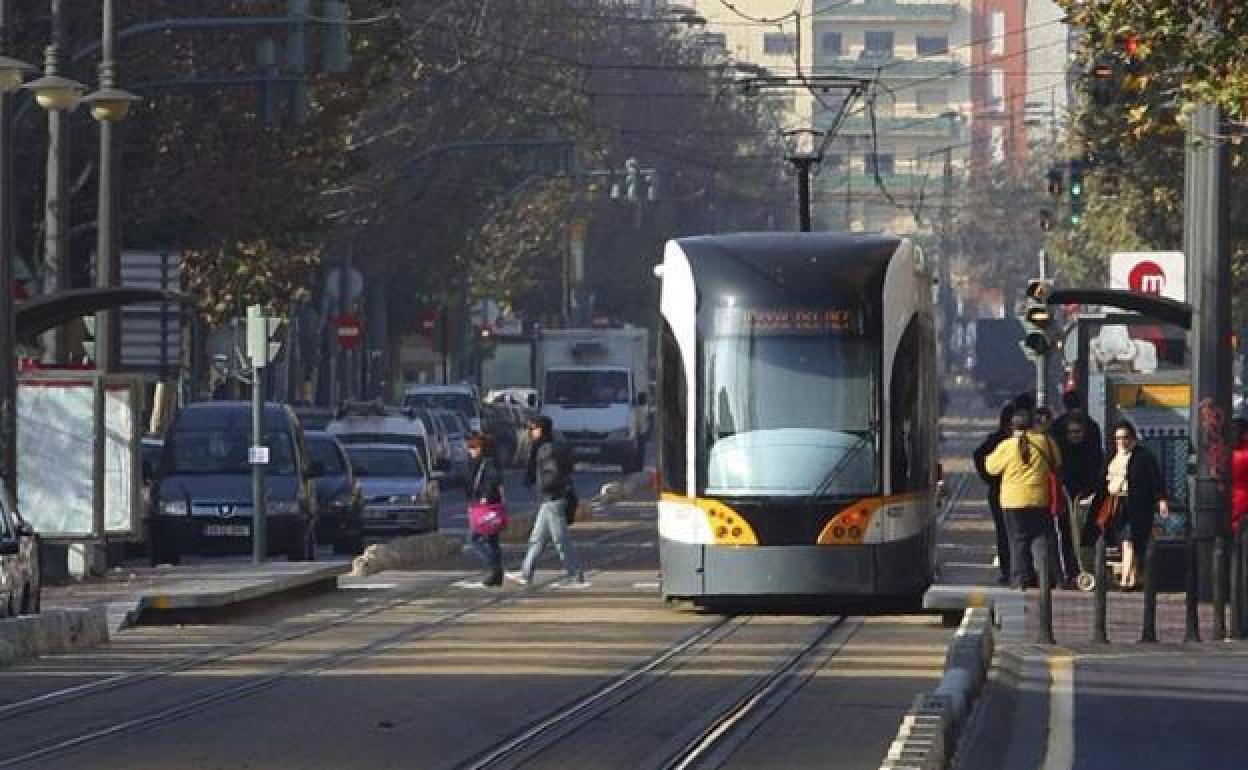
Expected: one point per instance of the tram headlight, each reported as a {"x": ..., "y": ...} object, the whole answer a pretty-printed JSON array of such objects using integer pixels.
[{"x": 684, "y": 522}]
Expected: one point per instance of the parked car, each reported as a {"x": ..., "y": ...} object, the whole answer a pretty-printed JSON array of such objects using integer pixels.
[
  {"x": 339, "y": 498},
  {"x": 439, "y": 439},
  {"x": 456, "y": 430},
  {"x": 375, "y": 424},
  {"x": 20, "y": 580},
  {"x": 458, "y": 398},
  {"x": 203, "y": 502},
  {"x": 399, "y": 495}
]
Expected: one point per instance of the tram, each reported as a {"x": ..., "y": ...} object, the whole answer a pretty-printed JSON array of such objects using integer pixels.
[{"x": 798, "y": 424}]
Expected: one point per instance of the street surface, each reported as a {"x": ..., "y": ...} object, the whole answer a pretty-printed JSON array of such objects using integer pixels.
[{"x": 404, "y": 669}]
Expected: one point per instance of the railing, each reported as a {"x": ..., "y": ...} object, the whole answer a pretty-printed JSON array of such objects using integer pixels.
[{"x": 1227, "y": 556}]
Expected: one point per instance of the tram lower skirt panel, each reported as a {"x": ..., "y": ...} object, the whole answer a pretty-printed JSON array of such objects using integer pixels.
[{"x": 889, "y": 569}]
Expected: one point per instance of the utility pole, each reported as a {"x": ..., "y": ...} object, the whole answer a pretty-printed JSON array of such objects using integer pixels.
[
  {"x": 946, "y": 247},
  {"x": 1206, "y": 211}
]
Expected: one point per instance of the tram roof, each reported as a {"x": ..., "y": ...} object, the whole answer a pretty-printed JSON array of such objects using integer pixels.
[{"x": 854, "y": 258}]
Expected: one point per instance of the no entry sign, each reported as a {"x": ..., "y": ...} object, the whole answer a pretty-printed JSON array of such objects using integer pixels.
[{"x": 347, "y": 327}]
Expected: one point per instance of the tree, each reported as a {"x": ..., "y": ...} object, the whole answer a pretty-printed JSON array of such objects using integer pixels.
[{"x": 1144, "y": 65}]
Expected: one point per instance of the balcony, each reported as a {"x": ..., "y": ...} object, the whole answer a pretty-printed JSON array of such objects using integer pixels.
[
  {"x": 886, "y": 10},
  {"x": 887, "y": 66},
  {"x": 832, "y": 180},
  {"x": 918, "y": 126}
]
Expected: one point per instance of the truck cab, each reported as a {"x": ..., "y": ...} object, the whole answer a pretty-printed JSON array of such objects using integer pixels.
[{"x": 594, "y": 390}]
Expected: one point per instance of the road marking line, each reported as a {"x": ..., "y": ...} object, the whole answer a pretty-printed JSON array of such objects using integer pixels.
[
  {"x": 1059, "y": 754},
  {"x": 653, "y": 584}
]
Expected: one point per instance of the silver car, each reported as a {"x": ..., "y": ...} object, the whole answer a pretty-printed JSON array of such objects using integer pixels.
[
  {"x": 399, "y": 495},
  {"x": 20, "y": 581}
]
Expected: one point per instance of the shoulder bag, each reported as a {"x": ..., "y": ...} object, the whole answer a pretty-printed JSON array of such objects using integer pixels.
[{"x": 486, "y": 519}]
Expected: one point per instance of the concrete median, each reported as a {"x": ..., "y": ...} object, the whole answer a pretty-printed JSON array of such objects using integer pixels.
[
  {"x": 53, "y": 631},
  {"x": 928, "y": 737},
  {"x": 405, "y": 553}
]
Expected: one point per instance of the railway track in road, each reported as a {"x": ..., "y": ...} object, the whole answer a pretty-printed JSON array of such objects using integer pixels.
[
  {"x": 705, "y": 742},
  {"x": 32, "y": 707}
]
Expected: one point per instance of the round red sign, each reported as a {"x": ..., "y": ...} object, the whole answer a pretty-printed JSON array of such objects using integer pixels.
[
  {"x": 348, "y": 330},
  {"x": 1147, "y": 277}
]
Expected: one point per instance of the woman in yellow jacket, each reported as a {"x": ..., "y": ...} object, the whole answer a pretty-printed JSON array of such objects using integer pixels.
[{"x": 1024, "y": 462}]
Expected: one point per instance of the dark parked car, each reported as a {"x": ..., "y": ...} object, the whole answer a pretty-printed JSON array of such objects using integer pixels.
[
  {"x": 203, "y": 501},
  {"x": 20, "y": 581},
  {"x": 340, "y": 502},
  {"x": 399, "y": 495}
]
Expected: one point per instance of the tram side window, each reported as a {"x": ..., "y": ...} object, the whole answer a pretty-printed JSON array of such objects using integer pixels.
[
  {"x": 673, "y": 414},
  {"x": 904, "y": 400}
]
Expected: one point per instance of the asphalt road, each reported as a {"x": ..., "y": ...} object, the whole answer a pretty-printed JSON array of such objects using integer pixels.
[{"x": 405, "y": 669}]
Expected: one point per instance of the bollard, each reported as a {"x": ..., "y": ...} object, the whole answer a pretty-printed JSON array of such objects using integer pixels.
[
  {"x": 1148, "y": 628},
  {"x": 1192, "y": 598},
  {"x": 1044, "y": 634},
  {"x": 1099, "y": 634},
  {"x": 1218, "y": 574}
]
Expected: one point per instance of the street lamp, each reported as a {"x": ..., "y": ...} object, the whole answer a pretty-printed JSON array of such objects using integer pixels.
[
  {"x": 12, "y": 73},
  {"x": 55, "y": 93}
]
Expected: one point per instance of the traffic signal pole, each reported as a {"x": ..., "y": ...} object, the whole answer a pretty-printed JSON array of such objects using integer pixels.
[{"x": 1206, "y": 212}]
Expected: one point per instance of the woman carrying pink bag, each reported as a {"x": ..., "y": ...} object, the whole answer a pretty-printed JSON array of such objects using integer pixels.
[{"x": 486, "y": 516}]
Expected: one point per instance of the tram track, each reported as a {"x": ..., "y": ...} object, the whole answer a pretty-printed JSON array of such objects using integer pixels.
[
  {"x": 32, "y": 706},
  {"x": 730, "y": 723}
]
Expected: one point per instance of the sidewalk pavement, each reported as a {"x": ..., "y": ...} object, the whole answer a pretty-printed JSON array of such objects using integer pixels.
[
  {"x": 127, "y": 592},
  {"x": 1077, "y": 704}
]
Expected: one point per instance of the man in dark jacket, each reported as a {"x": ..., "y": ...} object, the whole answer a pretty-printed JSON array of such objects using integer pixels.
[
  {"x": 981, "y": 453},
  {"x": 549, "y": 470}
]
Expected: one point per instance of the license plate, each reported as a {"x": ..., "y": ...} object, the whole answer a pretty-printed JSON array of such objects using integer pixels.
[
  {"x": 226, "y": 530},
  {"x": 586, "y": 450}
]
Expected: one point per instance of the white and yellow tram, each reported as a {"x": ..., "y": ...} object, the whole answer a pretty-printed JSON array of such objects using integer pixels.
[{"x": 798, "y": 422}]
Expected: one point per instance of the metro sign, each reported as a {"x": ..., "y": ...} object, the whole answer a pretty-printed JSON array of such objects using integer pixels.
[{"x": 1162, "y": 273}]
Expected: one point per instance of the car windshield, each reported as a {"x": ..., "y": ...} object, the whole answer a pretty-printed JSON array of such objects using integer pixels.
[
  {"x": 224, "y": 453},
  {"x": 326, "y": 454},
  {"x": 456, "y": 402},
  {"x": 385, "y": 463},
  {"x": 583, "y": 387}
]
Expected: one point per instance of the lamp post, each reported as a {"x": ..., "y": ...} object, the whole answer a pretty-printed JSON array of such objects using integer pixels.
[
  {"x": 108, "y": 106},
  {"x": 12, "y": 73},
  {"x": 57, "y": 95}
]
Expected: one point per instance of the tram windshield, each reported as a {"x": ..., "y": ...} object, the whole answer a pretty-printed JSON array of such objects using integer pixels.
[{"x": 788, "y": 412}]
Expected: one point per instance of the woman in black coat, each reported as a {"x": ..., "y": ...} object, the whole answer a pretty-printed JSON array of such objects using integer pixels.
[
  {"x": 485, "y": 485},
  {"x": 1133, "y": 476}
]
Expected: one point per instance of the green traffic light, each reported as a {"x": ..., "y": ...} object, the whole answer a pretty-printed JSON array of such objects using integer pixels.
[
  {"x": 1076, "y": 189},
  {"x": 1076, "y": 219}
]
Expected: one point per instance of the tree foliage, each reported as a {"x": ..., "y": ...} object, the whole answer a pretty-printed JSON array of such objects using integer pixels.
[{"x": 1157, "y": 60}]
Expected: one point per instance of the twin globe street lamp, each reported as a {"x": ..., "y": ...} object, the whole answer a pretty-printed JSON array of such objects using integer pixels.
[{"x": 57, "y": 95}]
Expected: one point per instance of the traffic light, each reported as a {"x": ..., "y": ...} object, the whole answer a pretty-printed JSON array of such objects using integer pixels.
[
  {"x": 1076, "y": 192},
  {"x": 1037, "y": 319}
]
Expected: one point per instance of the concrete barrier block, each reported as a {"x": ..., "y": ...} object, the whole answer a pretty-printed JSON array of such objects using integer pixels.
[
  {"x": 53, "y": 631},
  {"x": 404, "y": 553}
]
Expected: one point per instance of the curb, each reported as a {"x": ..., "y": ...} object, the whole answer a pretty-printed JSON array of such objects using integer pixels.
[
  {"x": 52, "y": 631},
  {"x": 404, "y": 552},
  {"x": 931, "y": 726}
]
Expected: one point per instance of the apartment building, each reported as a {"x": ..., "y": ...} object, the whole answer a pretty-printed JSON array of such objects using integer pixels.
[
  {"x": 885, "y": 169},
  {"x": 772, "y": 34},
  {"x": 1020, "y": 85}
]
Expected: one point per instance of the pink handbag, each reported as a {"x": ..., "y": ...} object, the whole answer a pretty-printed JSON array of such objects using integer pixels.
[{"x": 487, "y": 518}]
